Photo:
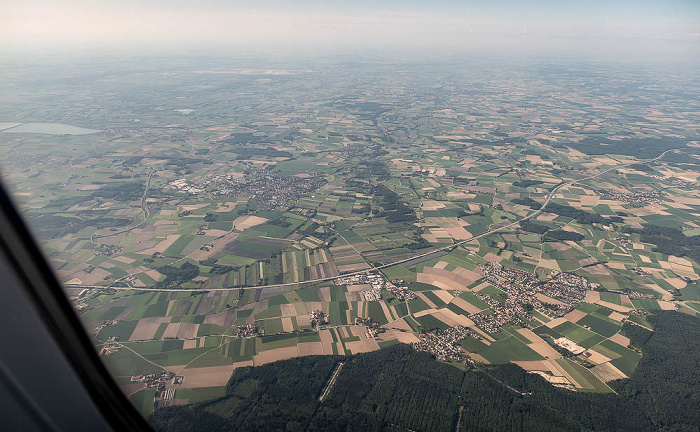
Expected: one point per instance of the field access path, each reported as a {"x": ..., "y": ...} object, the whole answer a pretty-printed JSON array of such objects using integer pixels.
[{"x": 450, "y": 247}]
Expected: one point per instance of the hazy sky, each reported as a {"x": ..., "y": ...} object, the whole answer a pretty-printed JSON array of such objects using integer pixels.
[{"x": 537, "y": 25}]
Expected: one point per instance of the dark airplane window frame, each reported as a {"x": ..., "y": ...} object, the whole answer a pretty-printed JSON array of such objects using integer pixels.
[{"x": 46, "y": 295}]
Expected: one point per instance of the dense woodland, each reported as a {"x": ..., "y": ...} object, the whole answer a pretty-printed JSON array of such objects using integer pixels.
[
  {"x": 583, "y": 217},
  {"x": 120, "y": 191},
  {"x": 527, "y": 201},
  {"x": 561, "y": 235},
  {"x": 533, "y": 227},
  {"x": 666, "y": 383},
  {"x": 174, "y": 276},
  {"x": 643, "y": 148},
  {"x": 51, "y": 226},
  {"x": 526, "y": 183},
  {"x": 393, "y": 208},
  {"x": 669, "y": 241},
  {"x": 398, "y": 389}
]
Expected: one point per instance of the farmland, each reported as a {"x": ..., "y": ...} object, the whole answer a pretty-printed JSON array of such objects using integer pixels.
[{"x": 349, "y": 218}]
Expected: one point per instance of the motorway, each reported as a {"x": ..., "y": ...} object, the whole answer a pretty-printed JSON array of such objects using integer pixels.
[
  {"x": 144, "y": 209},
  {"x": 548, "y": 198}
]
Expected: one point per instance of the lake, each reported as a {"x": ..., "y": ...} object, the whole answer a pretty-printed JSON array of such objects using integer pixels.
[{"x": 45, "y": 128}]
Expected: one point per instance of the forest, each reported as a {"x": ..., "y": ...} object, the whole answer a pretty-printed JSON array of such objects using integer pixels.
[
  {"x": 669, "y": 241},
  {"x": 393, "y": 208},
  {"x": 526, "y": 183},
  {"x": 666, "y": 383},
  {"x": 533, "y": 227},
  {"x": 56, "y": 226},
  {"x": 120, "y": 191},
  {"x": 642, "y": 148},
  {"x": 249, "y": 152},
  {"x": 527, "y": 201},
  {"x": 398, "y": 389},
  {"x": 174, "y": 276},
  {"x": 583, "y": 217},
  {"x": 561, "y": 235}
]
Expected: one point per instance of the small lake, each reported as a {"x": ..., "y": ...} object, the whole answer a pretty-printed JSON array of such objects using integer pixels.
[{"x": 45, "y": 128}]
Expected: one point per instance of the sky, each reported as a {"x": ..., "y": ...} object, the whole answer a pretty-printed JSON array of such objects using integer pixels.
[{"x": 607, "y": 27}]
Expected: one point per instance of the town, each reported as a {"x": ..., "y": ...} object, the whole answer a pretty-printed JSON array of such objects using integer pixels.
[{"x": 265, "y": 186}]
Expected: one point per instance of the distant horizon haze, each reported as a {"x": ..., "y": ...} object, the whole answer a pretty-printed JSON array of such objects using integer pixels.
[{"x": 669, "y": 30}]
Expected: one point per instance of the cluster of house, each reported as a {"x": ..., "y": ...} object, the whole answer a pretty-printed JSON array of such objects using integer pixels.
[
  {"x": 266, "y": 187},
  {"x": 203, "y": 229},
  {"x": 400, "y": 290},
  {"x": 444, "y": 344},
  {"x": 106, "y": 324},
  {"x": 159, "y": 380},
  {"x": 207, "y": 247},
  {"x": 319, "y": 319},
  {"x": 360, "y": 278},
  {"x": 676, "y": 181},
  {"x": 636, "y": 295},
  {"x": 109, "y": 350},
  {"x": 646, "y": 196},
  {"x": 128, "y": 280},
  {"x": 624, "y": 240},
  {"x": 639, "y": 312},
  {"x": 373, "y": 327},
  {"x": 560, "y": 293},
  {"x": 524, "y": 291},
  {"x": 492, "y": 322},
  {"x": 248, "y": 331},
  {"x": 153, "y": 379},
  {"x": 640, "y": 272},
  {"x": 683, "y": 183},
  {"x": 79, "y": 300},
  {"x": 109, "y": 250}
]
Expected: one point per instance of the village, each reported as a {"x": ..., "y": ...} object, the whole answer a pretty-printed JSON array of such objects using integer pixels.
[
  {"x": 560, "y": 293},
  {"x": 444, "y": 344},
  {"x": 524, "y": 292},
  {"x": 643, "y": 197}
]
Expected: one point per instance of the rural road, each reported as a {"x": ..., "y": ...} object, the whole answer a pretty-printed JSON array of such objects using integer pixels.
[{"x": 548, "y": 198}]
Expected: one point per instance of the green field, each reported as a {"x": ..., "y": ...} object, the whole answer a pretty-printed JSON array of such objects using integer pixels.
[{"x": 506, "y": 350}]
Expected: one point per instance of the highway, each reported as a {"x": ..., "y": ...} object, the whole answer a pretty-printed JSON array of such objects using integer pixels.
[{"x": 144, "y": 209}]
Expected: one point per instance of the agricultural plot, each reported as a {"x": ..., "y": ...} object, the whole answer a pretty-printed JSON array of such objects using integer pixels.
[{"x": 243, "y": 224}]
